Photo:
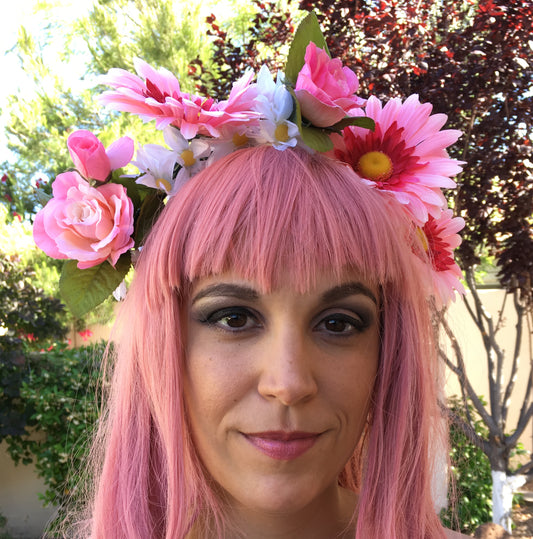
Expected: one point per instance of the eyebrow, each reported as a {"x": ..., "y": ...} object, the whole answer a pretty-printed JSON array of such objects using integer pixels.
[
  {"x": 250, "y": 294},
  {"x": 228, "y": 289},
  {"x": 348, "y": 289}
]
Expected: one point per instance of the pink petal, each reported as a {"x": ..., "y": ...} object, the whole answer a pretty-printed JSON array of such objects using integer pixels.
[
  {"x": 317, "y": 112},
  {"x": 43, "y": 240},
  {"x": 120, "y": 152},
  {"x": 438, "y": 142}
]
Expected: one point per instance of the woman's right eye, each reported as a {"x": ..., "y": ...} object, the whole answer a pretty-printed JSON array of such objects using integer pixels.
[{"x": 232, "y": 319}]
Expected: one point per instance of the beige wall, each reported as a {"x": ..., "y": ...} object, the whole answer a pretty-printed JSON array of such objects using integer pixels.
[
  {"x": 19, "y": 503},
  {"x": 471, "y": 343}
]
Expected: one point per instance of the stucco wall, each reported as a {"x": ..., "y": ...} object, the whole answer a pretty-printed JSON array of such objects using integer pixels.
[
  {"x": 19, "y": 503},
  {"x": 471, "y": 344}
]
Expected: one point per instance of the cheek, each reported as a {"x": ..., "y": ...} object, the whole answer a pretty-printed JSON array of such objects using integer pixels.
[
  {"x": 215, "y": 381},
  {"x": 353, "y": 384}
]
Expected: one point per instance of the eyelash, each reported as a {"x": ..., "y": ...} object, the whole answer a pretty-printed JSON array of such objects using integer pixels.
[
  {"x": 359, "y": 324},
  {"x": 215, "y": 319}
]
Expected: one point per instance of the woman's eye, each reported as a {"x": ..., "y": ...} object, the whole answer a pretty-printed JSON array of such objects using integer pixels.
[
  {"x": 341, "y": 324},
  {"x": 235, "y": 320},
  {"x": 232, "y": 319}
]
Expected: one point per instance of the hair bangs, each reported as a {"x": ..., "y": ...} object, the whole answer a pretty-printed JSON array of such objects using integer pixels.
[{"x": 280, "y": 219}]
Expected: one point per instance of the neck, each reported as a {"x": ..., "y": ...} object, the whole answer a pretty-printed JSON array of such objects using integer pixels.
[{"x": 328, "y": 517}]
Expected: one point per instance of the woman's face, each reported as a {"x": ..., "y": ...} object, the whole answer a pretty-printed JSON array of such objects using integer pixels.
[{"x": 278, "y": 386}]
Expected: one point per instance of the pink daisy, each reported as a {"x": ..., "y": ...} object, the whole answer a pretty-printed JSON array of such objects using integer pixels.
[
  {"x": 405, "y": 154},
  {"x": 156, "y": 94},
  {"x": 439, "y": 238}
]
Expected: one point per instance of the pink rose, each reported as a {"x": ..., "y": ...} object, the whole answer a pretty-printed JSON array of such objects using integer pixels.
[
  {"x": 325, "y": 89},
  {"x": 88, "y": 224},
  {"x": 92, "y": 160}
]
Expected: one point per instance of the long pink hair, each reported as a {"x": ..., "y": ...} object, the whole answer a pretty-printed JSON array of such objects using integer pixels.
[{"x": 275, "y": 217}]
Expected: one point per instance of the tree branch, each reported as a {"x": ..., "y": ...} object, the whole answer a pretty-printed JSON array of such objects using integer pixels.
[
  {"x": 468, "y": 430},
  {"x": 460, "y": 370},
  {"x": 519, "y": 309},
  {"x": 524, "y": 469},
  {"x": 491, "y": 347}
]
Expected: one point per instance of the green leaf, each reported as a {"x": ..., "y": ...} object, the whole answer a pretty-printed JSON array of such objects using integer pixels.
[
  {"x": 83, "y": 290},
  {"x": 315, "y": 138},
  {"x": 308, "y": 30},
  {"x": 150, "y": 209},
  {"x": 136, "y": 192},
  {"x": 359, "y": 121}
]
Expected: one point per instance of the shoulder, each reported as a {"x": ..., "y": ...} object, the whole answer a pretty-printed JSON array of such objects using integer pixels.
[{"x": 450, "y": 534}]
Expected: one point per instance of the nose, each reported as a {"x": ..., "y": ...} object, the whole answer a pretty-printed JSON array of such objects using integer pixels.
[{"x": 287, "y": 372}]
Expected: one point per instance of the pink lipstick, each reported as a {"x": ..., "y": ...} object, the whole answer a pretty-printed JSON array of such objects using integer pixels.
[{"x": 282, "y": 445}]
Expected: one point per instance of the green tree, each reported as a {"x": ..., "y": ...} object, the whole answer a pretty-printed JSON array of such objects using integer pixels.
[{"x": 165, "y": 33}]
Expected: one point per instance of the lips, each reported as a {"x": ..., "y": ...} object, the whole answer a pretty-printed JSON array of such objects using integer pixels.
[{"x": 282, "y": 445}]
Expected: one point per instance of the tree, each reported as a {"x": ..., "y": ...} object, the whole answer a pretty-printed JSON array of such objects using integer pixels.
[
  {"x": 163, "y": 32},
  {"x": 473, "y": 61}
]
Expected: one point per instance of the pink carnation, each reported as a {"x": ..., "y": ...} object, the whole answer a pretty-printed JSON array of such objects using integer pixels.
[
  {"x": 325, "y": 89},
  {"x": 88, "y": 224},
  {"x": 156, "y": 94},
  {"x": 92, "y": 160}
]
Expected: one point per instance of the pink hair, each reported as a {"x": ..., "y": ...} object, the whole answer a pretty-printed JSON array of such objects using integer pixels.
[{"x": 275, "y": 217}]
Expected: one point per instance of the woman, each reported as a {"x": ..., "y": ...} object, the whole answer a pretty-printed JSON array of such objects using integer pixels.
[
  {"x": 275, "y": 371},
  {"x": 276, "y": 375}
]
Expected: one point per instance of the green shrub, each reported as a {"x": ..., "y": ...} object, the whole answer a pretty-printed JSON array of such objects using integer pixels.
[
  {"x": 58, "y": 394},
  {"x": 472, "y": 477},
  {"x": 29, "y": 319}
]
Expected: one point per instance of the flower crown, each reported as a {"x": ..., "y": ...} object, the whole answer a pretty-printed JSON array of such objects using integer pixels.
[{"x": 96, "y": 217}]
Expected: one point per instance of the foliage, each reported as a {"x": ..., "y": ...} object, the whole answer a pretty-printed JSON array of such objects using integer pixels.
[
  {"x": 28, "y": 318},
  {"x": 471, "y": 487},
  {"x": 269, "y": 29},
  {"x": 58, "y": 393},
  {"x": 113, "y": 34},
  {"x": 3, "y": 523}
]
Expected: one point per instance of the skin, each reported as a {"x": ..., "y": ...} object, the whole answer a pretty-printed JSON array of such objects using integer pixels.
[{"x": 285, "y": 362}]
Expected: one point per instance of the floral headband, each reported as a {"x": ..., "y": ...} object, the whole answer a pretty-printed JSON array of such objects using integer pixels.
[{"x": 96, "y": 217}]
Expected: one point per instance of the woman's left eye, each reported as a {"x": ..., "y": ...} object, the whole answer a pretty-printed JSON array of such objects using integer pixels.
[{"x": 341, "y": 324}]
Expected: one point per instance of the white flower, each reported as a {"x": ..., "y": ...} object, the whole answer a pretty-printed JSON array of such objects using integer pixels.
[
  {"x": 275, "y": 104},
  {"x": 157, "y": 164},
  {"x": 190, "y": 155}
]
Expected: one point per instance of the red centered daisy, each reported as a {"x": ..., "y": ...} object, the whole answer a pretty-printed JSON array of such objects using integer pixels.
[
  {"x": 405, "y": 154},
  {"x": 439, "y": 238}
]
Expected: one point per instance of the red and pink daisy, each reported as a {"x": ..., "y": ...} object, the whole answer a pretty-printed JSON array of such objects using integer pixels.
[
  {"x": 439, "y": 238},
  {"x": 156, "y": 94},
  {"x": 405, "y": 154}
]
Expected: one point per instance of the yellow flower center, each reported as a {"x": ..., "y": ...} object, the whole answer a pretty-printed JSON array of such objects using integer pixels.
[
  {"x": 239, "y": 140},
  {"x": 282, "y": 132},
  {"x": 375, "y": 166},
  {"x": 423, "y": 238},
  {"x": 161, "y": 183},
  {"x": 188, "y": 158}
]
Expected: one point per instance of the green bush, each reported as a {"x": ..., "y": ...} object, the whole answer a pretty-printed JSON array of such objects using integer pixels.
[
  {"x": 29, "y": 319},
  {"x": 472, "y": 478},
  {"x": 58, "y": 394}
]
